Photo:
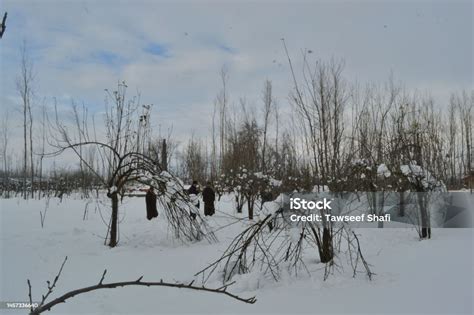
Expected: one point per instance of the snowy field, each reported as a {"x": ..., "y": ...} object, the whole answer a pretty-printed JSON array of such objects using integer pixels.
[{"x": 433, "y": 276}]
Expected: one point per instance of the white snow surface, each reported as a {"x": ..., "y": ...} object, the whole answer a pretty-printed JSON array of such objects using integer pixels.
[{"x": 433, "y": 276}]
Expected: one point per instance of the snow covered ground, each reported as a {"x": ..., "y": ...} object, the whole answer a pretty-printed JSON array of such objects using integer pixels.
[{"x": 412, "y": 276}]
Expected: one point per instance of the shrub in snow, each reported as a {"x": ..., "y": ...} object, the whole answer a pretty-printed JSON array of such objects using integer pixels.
[
  {"x": 274, "y": 245},
  {"x": 248, "y": 187},
  {"x": 421, "y": 179},
  {"x": 426, "y": 188}
]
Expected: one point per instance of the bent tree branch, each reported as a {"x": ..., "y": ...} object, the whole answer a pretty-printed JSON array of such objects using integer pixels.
[{"x": 42, "y": 307}]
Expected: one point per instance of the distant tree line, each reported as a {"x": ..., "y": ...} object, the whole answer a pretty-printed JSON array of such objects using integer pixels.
[
  {"x": 310, "y": 138},
  {"x": 331, "y": 124}
]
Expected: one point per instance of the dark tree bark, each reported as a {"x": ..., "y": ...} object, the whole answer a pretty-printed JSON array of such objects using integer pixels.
[
  {"x": 326, "y": 253},
  {"x": 114, "y": 219},
  {"x": 325, "y": 247},
  {"x": 164, "y": 156},
  {"x": 250, "y": 204},
  {"x": 425, "y": 224},
  {"x": 239, "y": 203}
]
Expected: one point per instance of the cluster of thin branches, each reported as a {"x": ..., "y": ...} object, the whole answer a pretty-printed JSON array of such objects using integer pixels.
[
  {"x": 242, "y": 253},
  {"x": 182, "y": 216},
  {"x": 272, "y": 244}
]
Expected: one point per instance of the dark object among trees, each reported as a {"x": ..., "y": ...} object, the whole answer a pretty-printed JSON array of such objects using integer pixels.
[
  {"x": 150, "y": 198},
  {"x": 193, "y": 190},
  {"x": 208, "y": 196}
]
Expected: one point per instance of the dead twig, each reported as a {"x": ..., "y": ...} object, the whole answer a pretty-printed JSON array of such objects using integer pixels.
[
  {"x": 364, "y": 262},
  {"x": 42, "y": 307}
]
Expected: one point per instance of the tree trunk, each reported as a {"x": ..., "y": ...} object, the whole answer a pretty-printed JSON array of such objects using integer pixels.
[
  {"x": 113, "y": 225},
  {"x": 325, "y": 247},
  {"x": 326, "y": 252},
  {"x": 239, "y": 203},
  {"x": 25, "y": 151},
  {"x": 380, "y": 207},
  {"x": 32, "y": 175},
  {"x": 164, "y": 156},
  {"x": 250, "y": 207},
  {"x": 401, "y": 209},
  {"x": 425, "y": 224}
]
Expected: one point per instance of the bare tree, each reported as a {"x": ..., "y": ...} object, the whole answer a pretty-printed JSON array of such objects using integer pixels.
[
  {"x": 162, "y": 148},
  {"x": 24, "y": 87},
  {"x": 32, "y": 164},
  {"x": 4, "y": 141},
  {"x": 164, "y": 155},
  {"x": 320, "y": 100},
  {"x": 222, "y": 105},
  {"x": 452, "y": 153},
  {"x": 466, "y": 112},
  {"x": 213, "y": 167},
  {"x": 267, "y": 110},
  {"x": 277, "y": 134},
  {"x": 124, "y": 163},
  {"x": 43, "y": 150},
  {"x": 195, "y": 161}
]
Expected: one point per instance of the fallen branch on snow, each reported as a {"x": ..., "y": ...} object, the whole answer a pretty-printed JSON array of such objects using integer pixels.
[{"x": 42, "y": 307}]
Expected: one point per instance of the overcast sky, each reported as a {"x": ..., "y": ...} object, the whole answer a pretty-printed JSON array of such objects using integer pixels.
[{"x": 172, "y": 51}]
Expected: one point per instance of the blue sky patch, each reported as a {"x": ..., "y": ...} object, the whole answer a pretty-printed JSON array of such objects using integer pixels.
[
  {"x": 157, "y": 49},
  {"x": 227, "y": 49},
  {"x": 107, "y": 57}
]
